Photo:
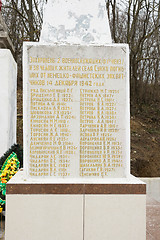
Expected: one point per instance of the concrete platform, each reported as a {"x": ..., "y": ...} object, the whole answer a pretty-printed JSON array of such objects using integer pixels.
[
  {"x": 153, "y": 220},
  {"x": 78, "y": 208}
]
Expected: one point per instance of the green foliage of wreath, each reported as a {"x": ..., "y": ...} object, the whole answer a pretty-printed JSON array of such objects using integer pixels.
[{"x": 8, "y": 170}]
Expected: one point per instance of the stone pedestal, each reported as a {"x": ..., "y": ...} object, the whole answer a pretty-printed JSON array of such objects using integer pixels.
[
  {"x": 8, "y": 103},
  {"x": 83, "y": 210}
]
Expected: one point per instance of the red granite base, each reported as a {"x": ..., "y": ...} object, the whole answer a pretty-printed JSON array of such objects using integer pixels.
[{"x": 76, "y": 188}]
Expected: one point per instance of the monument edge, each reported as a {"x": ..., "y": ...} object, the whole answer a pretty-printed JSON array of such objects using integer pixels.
[{"x": 25, "y": 129}]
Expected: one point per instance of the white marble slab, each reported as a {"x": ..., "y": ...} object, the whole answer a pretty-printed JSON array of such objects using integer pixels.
[
  {"x": 20, "y": 178},
  {"x": 115, "y": 217},
  {"x": 8, "y": 100},
  {"x": 76, "y": 21},
  {"x": 42, "y": 217},
  {"x": 76, "y": 110}
]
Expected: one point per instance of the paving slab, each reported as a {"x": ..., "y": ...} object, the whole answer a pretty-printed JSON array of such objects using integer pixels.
[
  {"x": 2, "y": 228},
  {"x": 153, "y": 219}
]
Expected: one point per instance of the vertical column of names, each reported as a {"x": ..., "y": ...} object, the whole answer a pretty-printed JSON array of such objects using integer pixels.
[
  {"x": 51, "y": 140},
  {"x": 98, "y": 143}
]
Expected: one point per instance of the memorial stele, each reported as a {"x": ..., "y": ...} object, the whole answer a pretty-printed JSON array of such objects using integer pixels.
[
  {"x": 8, "y": 90},
  {"x": 76, "y": 96}
]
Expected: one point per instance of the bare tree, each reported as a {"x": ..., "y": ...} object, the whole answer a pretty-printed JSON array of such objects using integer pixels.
[
  {"x": 137, "y": 22},
  {"x": 24, "y": 21}
]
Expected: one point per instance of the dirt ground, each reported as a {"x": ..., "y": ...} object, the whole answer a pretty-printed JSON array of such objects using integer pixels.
[
  {"x": 20, "y": 117},
  {"x": 145, "y": 139},
  {"x": 145, "y": 142}
]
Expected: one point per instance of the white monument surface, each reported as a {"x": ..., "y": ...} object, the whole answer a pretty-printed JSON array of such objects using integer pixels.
[
  {"x": 78, "y": 21},
  {"x": 77, "y": 110},
  {"x": 8, "y": 101}
]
